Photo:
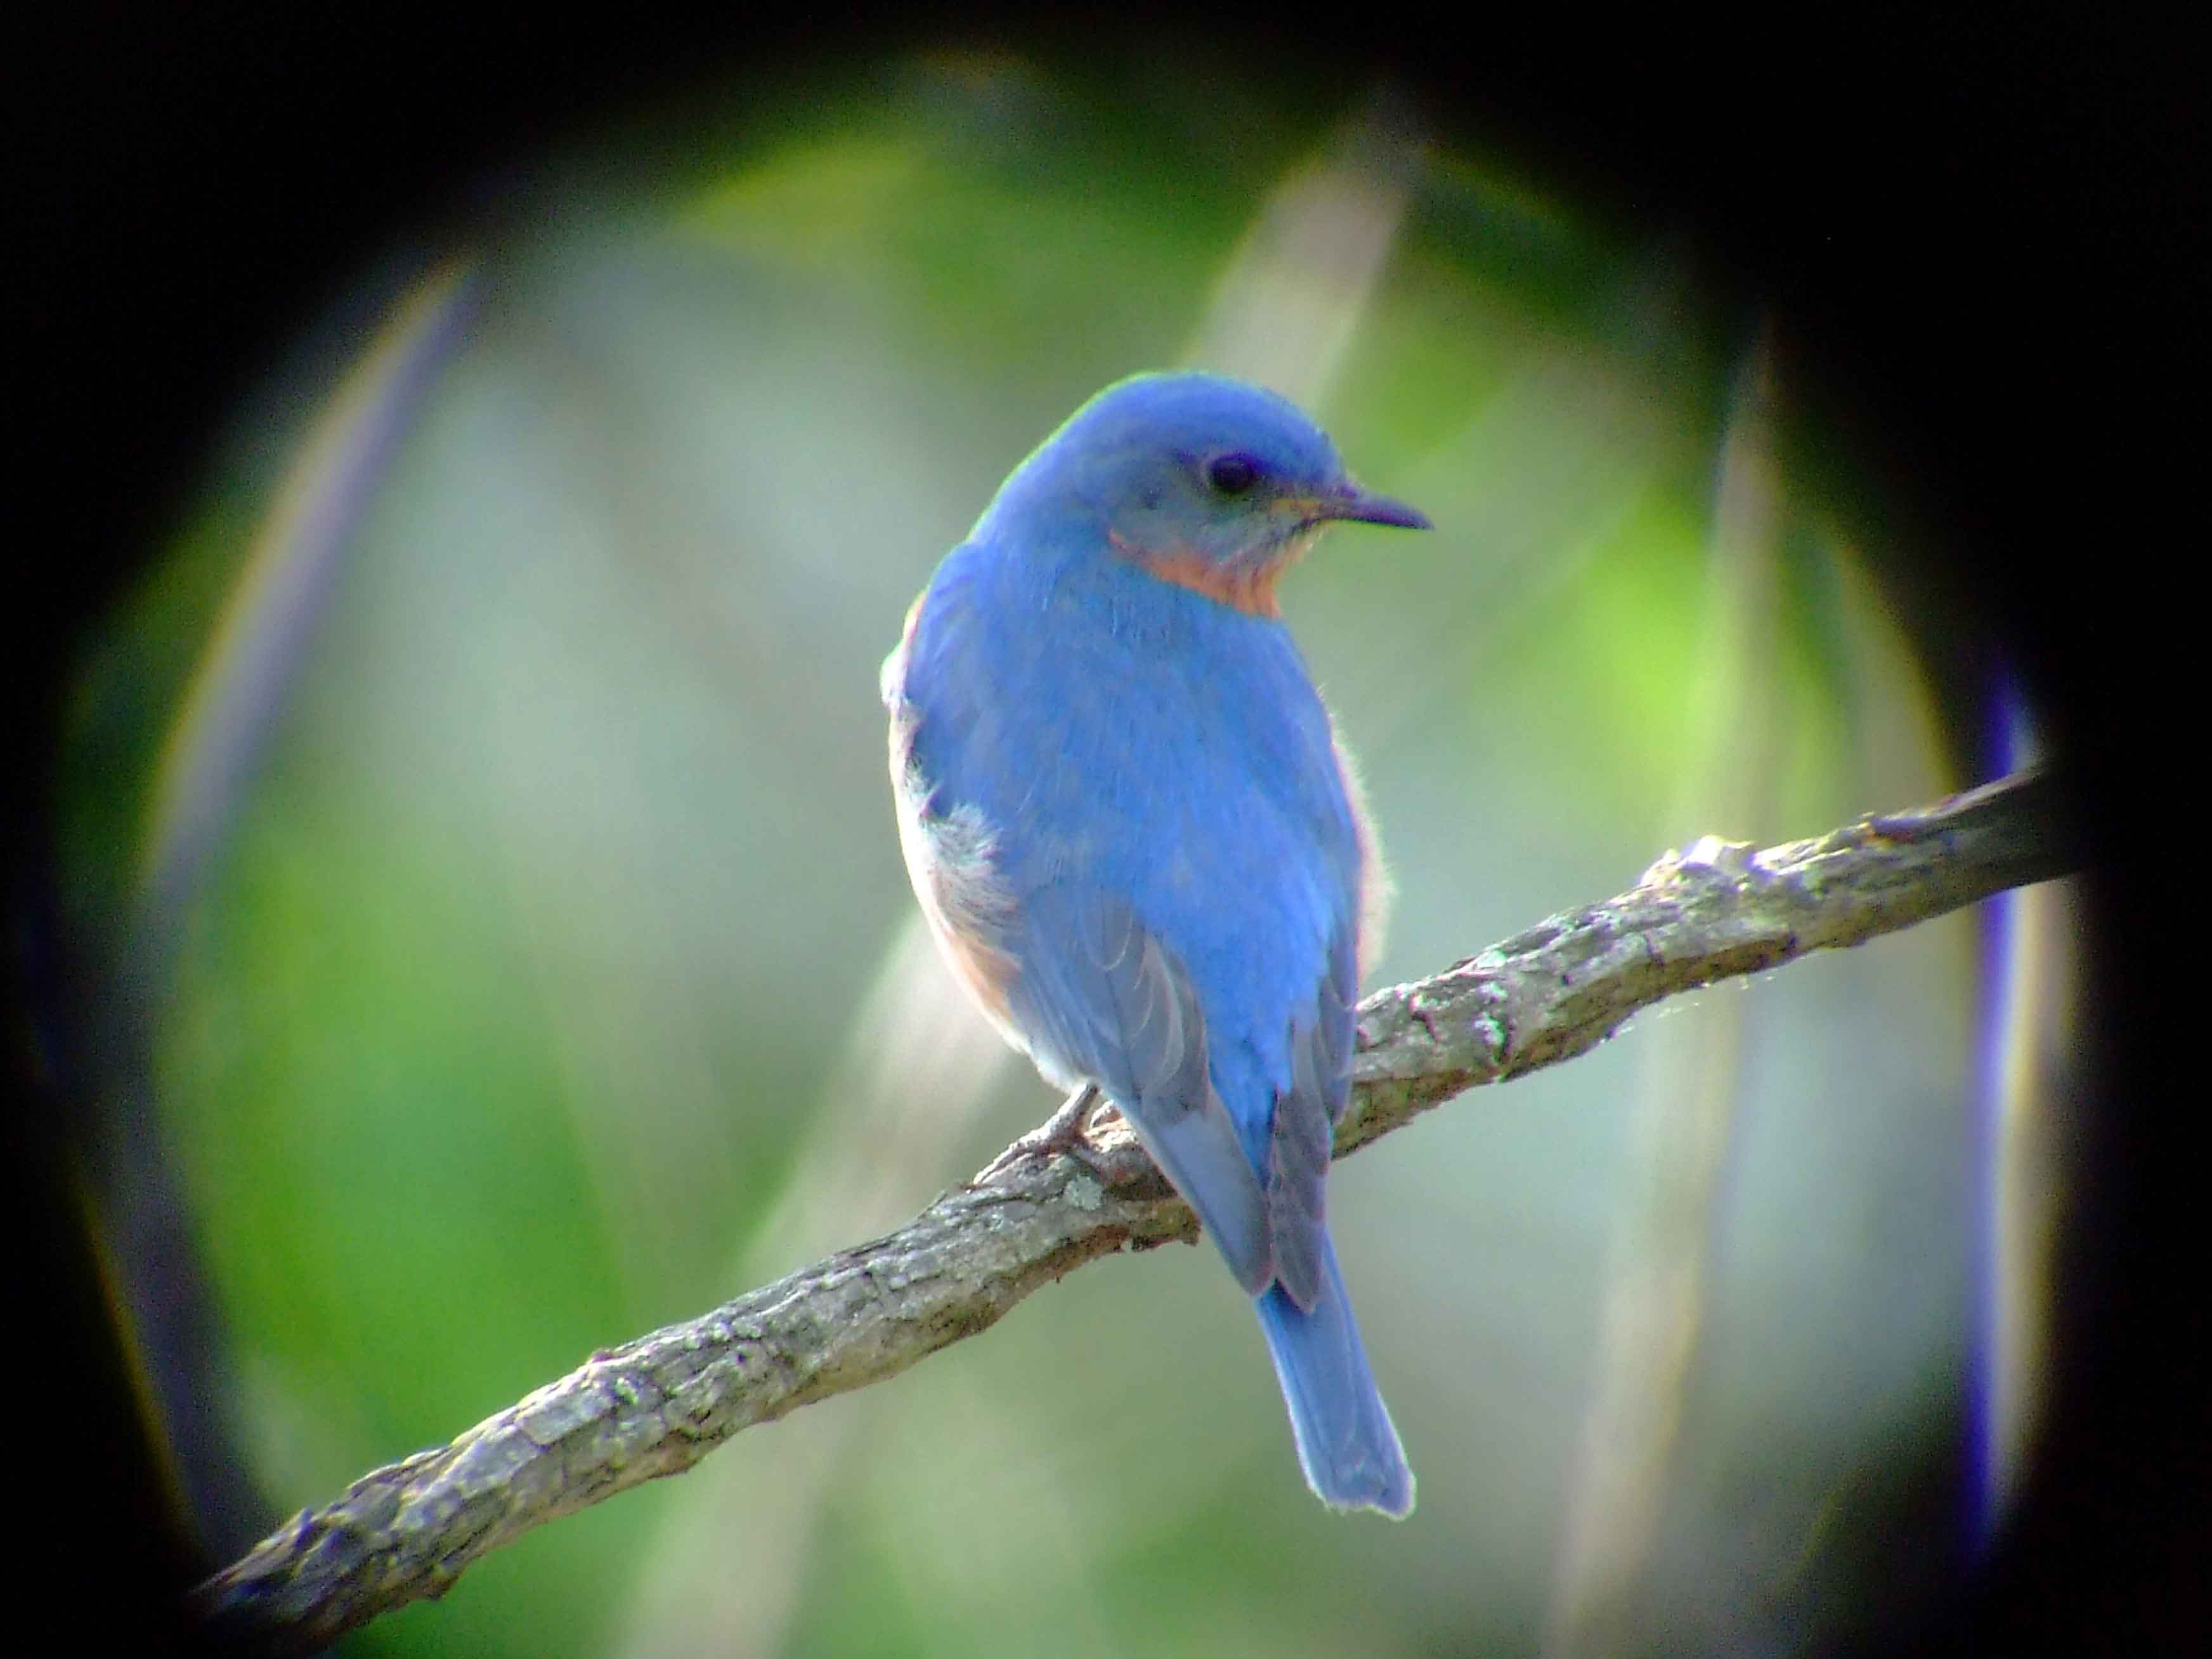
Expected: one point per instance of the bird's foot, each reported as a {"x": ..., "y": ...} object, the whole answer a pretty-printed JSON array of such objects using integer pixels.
[{"x": 1063, "y": 1132}]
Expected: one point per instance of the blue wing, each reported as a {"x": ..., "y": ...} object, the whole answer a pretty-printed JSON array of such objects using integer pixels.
[
  {"x": 1099, "y": 995},
  {"x": 1303, "y": 1137}
]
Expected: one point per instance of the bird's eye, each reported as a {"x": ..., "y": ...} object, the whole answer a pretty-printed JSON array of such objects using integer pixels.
[{"x": 1232, "y": 475}]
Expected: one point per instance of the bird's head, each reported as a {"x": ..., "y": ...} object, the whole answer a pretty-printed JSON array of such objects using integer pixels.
[{"x": 1203, "y": 481}]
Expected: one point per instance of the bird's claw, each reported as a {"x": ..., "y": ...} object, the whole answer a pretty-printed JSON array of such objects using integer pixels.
[{"x": 1063, "y": 1132}]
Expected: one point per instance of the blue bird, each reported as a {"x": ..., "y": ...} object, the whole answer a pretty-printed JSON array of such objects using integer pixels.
[{"x": 1126, "y": 815}]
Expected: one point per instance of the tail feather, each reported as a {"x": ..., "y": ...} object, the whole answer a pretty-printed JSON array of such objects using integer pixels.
[{"x": 1346, "y": 1446}]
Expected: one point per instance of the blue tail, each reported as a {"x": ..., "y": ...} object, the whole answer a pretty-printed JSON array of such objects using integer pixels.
[{"x": 1349, "y": 1450}]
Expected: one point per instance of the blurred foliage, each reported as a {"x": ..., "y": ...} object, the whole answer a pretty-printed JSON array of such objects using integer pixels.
[{"x": 526, "y": 1000}]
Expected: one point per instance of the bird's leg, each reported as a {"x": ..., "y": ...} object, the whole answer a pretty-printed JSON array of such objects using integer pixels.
[{"x": 1063, "y": 1132}]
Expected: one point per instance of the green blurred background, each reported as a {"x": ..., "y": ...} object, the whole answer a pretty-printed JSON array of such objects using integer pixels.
[{"x": 483, "y": 804}]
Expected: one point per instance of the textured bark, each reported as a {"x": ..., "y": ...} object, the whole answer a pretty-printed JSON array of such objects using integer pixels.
[{"x": 657, "y": 1405}]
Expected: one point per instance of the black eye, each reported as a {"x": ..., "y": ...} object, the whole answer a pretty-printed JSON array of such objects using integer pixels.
[{"x": 1232, "y": 475}]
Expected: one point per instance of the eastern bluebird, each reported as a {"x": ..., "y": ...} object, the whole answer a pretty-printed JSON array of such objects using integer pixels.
[{"x": 1125, "y": 813}]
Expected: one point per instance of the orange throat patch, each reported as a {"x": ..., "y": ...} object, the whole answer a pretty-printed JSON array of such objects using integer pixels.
[{"x": 1248, "y": 588}]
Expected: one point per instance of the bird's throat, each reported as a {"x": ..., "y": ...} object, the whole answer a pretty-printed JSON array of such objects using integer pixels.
[{"x": 1248, "y": 586}]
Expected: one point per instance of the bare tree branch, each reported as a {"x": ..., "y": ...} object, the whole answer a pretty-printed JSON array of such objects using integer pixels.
[{"x": 656, "y": 1406}]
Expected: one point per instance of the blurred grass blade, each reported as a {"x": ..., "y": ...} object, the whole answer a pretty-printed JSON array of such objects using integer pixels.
[
  {"x": 287, "y": 580},
  {"x": 1653, "y": 1303}
]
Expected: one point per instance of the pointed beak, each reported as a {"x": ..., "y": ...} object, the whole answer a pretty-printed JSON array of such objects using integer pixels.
[{"x": 1364, "y": 506}]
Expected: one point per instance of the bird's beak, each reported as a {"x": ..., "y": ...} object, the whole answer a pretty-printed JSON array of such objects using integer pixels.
[{"x": 1364, "y": 507}]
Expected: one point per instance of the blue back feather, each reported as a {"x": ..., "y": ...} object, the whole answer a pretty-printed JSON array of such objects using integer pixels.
[{"x": 1158, "y": 745}]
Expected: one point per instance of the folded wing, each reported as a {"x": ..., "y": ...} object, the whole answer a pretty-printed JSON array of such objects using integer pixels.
[{"x": 1100, "y": 997}]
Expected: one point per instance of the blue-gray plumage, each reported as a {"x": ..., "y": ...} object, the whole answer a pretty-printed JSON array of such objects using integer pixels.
[{"x": 1126, "y": 815}]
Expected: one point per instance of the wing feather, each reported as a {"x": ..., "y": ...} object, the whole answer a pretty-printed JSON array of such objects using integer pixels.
[
  {"x": 1110, "y": 1003},
  {"x": 1305, "y": 1122}
]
